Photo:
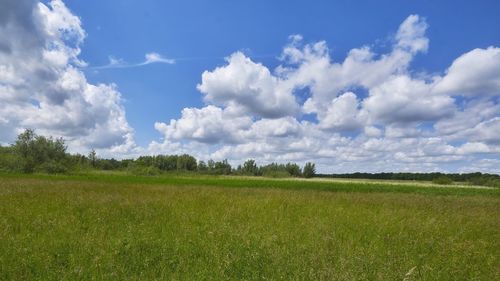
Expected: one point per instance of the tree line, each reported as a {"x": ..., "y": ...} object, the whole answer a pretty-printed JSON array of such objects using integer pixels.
[
  {"x": 476, "y": 178},
  {"x": 35, "y": 153}
]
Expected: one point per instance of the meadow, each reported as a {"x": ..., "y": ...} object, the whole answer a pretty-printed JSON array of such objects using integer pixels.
[{"x": 191, "y": 227}]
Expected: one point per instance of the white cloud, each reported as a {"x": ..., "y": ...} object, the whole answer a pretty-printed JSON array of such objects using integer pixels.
[
  {"x": 41, "y": 86},
  {"x": 401, "y": 100},
  {"x": 371, "y": 113},
  {"x": 311, "y": 65},
  {"x": 282, "y": 127},
  {"x": 247, "y": 85},
  {"x": 342, "y": 114},
  {"x": 411, "y": 34},
  {"x": 365, "y": 113},
  {"x": 149, "y": 58},
  {"x": 476, "y": 73},
  {"x": 157, "y": 58},
  {"x": 207, "y": 125}
]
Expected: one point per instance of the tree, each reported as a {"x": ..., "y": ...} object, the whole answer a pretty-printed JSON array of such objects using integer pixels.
[
  {"x": 39, "y": 152},
  {"x": 202, "y": 166},
  {"x": 309, "y": 170},
  {"x": 211, "y": 164},
  {"x": 186, "y": 162},
  {"x": 222, "y": 167},
  {"x": 250, "y": 167},
  {"x": 93, "y": 158},
  {"x": 293, "y": 169}
]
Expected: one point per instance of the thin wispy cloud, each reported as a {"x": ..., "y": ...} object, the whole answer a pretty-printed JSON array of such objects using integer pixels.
[
  {"x": 156, "y": 58},
  {"x": 149, "y": 58}
]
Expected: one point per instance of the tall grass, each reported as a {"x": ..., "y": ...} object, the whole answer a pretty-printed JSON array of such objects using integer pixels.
[{"x": 106, "y": 228}]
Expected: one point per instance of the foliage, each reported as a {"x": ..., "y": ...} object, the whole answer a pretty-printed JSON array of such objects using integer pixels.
[
  {"x": 275, "y": 174},
  {"x": 309, "y": 170},
  {"x": 34, "y": 153},
  {"x": 52, "y": 167},
  {"x": 477, "y": 178},
  {"x": 140, "y": 170},
  {"x": 122, "y": 227},
  {"x": 38, "y": 153},
  {"x": 293, "y": 169},
  {"x": 93, "y": 158},
  {"x": 442, "y": 180},
  {"x": 9, "y": 160},
  {"x": 250, "y": 168}
]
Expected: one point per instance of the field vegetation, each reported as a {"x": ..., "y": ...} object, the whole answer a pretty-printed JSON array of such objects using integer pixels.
[
  {"x": 115, "y": 226},
  {"x": 170, "y": 217},
  {"x": 32, "y": 153}
]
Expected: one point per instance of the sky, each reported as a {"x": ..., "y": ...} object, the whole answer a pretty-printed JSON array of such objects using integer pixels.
[{"x": 367, "y": 86}]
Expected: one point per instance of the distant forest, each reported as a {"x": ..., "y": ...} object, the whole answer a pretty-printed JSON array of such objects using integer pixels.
[
  {"x": 476, "y": 178},
  {"x": 34, "y": 153}
]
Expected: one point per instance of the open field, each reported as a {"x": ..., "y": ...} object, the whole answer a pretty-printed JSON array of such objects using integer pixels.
[{"x": 117, "y": 227}]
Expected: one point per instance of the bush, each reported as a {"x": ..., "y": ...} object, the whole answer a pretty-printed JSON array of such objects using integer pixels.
[
  {"x": 276, "y": 174},
  {"x": 52, "y": 167},
  {"x": 442, "y": 180},
  {"x": 9, "y": 162},
  {"x": 39, "y": 153},
  {"x": 139, "y": 170},
  {"x": 485, "y": 180}
]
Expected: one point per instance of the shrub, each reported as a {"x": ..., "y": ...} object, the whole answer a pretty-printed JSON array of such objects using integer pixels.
[
  {"x": 36, "y": 151},
  {"x": 276, "y": 174},
  {"x": 9, "y": 162},
  {"x": 442, "y": 180},
  {"x": 52, "y": 167},
  {"x": 140, "y": 170}
]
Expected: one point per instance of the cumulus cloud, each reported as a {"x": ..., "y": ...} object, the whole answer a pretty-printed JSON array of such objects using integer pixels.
[
  {"x": 401, "y": 99},
  {"x": 250, "y": 86},
  {"x": 368, "y": 112},
  {"x": 42, "y": 87},
  {"x": 342, "y": 113},
  {"x": 411, "y": 34},
  {"x": 310, "y": 65},
  {"x": 207, "y": 125},
  {"x": 476, "y": 73}
]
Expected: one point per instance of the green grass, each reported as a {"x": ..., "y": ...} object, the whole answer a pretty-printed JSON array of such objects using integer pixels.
[{"x": 118, "y": 227}]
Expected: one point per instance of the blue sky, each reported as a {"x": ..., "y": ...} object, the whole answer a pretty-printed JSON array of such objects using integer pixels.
[
  {"x": 212, "y": 30},
  {"x": 351, "y": 85}
]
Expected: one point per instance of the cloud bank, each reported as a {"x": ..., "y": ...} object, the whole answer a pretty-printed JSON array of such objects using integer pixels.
[
  {"x": 42, "y": 87},
  {"x": 368, "y": 112}
]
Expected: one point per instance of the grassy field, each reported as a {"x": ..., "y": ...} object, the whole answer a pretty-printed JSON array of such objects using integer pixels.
[{"x": 117, "y": 227}]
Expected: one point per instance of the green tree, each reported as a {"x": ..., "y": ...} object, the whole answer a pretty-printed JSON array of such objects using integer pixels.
[
  {"x": 186, "y": 162},
  {"x": 39, "y": 152},
  {"x": 202, "y": 166},
  {"x": 309, "y": 170},
  {"x": 293, "y": 169},
  {"x": 250, "y": 167},
  {"x": 222, "y": 167},
  {"x": 93, "y": 158}
]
